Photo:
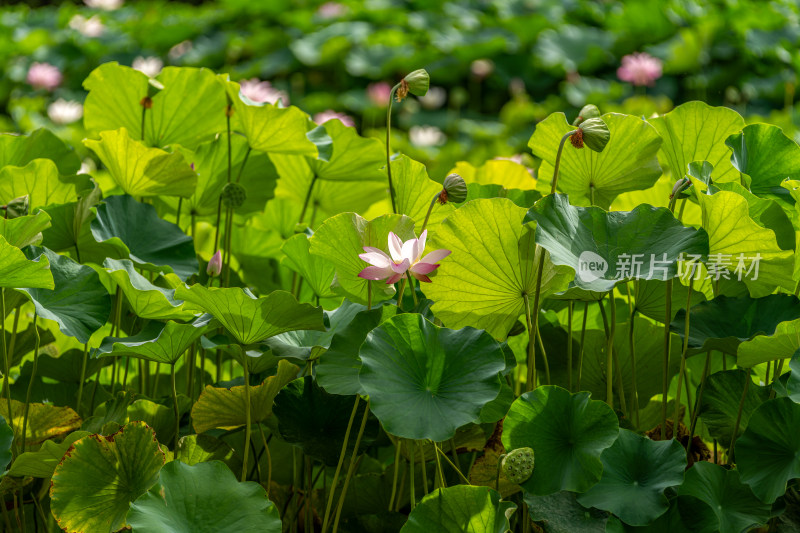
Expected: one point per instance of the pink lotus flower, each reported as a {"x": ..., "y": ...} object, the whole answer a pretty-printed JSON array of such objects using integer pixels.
[
  {"x": 405, "y": 256},
  {"x": 262, "y": 92},
  {"x": 330, "y": 114},
  {"x": 640, "y": 69},
  {"x": 44, "y": 76},
  {"x": 379, "y": 93},
  {"x": 215, "y": 265},
  {"x": 330, "y": 10}
]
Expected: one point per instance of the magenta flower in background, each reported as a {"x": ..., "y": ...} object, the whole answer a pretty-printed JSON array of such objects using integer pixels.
[
  {"x": 379, "y": 93},
  {"x": 44, "y": 76},
  {"x": 330, "y": 114},
  {"x": 330, "y": 10},
  {"x": 640, "y": 69},
  {"x": 262, "y": 92},
  {"x": 405, "y": 256},
  {"x": 215, "y": 265}
]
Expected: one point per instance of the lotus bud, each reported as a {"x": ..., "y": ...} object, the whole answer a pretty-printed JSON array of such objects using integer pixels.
[
  {"x": 233, "y": 195},
  {"x": 18, "y": 207},
  {"x": 215, "y": 265},
  {"x": 588, "y": 111},
  {"x": 517, "y": 465},
  {"x": 454, "y": 189},
  {"x": 418, "y": 82},
  {"x": 594, "y": 133},
  {"x": 678, "y": 187}
]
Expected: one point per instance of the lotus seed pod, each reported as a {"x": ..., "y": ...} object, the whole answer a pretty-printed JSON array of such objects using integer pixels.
[
  {"x": 233, "y": 195},
  {"x": 588, "y": 111},
  {"x": 418, "y": 82},
  {"x": 517, "y": 465},
  {"x": 595, "y": 133},
  {"x": 454, "y": 189}
]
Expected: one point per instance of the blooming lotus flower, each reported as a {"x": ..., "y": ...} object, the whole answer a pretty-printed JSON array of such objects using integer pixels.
[
  {"x": 262, "y": 92},
  {"x": 44, "y": 76},
  {"x": 330, "y": 10},
  {"x": 405, "y": 256},
  {"x": 151, "y": 66},
  {"x": 88, "y": 27},
  {"x": 640, "y": 69},
  {"x": 65, "y": 111},
  {"x": 215, "y": 265},
  {"x": 330, "y": 114},
  {"x": 105, "y": 5}
]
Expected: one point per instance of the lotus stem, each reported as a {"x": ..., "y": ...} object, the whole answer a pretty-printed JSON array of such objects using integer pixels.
[
  {"x": 634, "y": 387},
  {"x": 177, "y": 215},
  {"x": 398, "y": 446},
  {"x": 458, "y": 470},
  {"x": 570, "y": 310},
  {"x": 544, "y": 354},
  {"x": 412, "y": 465},
  {"x": 308, "y": 522},
  {"x": 667, "y": 349},
  {"x": 583, "y": 337},
  {"x": 530, "y": 382},
  {"x": 342, "y": 455},
  {"x": 747, "y": 381},
  {"x": 400, "y": 491},
  {"x": 83, "y": 377},
  {"x": 558, "y": 160},
  {"x": 413, "y": 288},
  {"x": 307, "y": 199},
  {"x": 6, "y": 355},
  {"x": 247, "y": 428},
  {"x": 430, "y": 209},
  {"x": 12, "y": 344},
  {"x": 696, "y": 410},
  {"x": 610, "y": 352},
  {"x": 388, "y": 146},
  {"x": 424, "y": 463},
  {"x": 244, "y": 163},
  {"x": 436, "y": 451},
  {"x": 269, "y": 457},
  {"x": 675, "y": 421},
  {"x": 30, "y": 383},
  {"x": 351, "y": 468},
  {"x": 454, "y": 451}
]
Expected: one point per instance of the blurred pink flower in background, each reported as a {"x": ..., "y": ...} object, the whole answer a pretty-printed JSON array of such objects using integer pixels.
[
  {"x": 330, "y": 10},
  {"x": 106, "y": 5},
  {"x": 65, "y": 111},
  {"x": 44, "y": 76},
  {"x": 151, "y": 66},
  {"x": 640, "y": 69},
  {"x": 88, "y": 27},
  {"x": 330, "y": 114},
  {"x": 379, "y": 93},
  {"x": 481, "y": 68},
  {"x": 262, "y": 92}
]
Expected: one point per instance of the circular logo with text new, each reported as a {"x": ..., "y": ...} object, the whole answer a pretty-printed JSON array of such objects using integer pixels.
[{"x": 591, "y": 266}]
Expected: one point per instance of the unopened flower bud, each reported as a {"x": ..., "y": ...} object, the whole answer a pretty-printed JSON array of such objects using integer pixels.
[
  {"x": 679, "y": 186},
  {"x": 418, "y": 82},
  {"x": 517, "y": 465},
  {"x": 454, "y": 189},
  {"x": 595, "y": 133},
  {"x": 215, "y": 265},
  {"x": 18, "y": 207},
  {"x": 588, "y": 111}
]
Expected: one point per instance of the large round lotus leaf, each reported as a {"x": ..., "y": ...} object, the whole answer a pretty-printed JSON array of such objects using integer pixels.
[
  {"x": 40, "y": 181},
  {"x": 521, "y": 198},
  {"x": 252, "y": 319},
  {"x": 195, "y": 449},
  {"x": 45, "y": 421},
  {"x": 503, "y": 173},
  {"x": 203, "y": 498},
  {"x": 686, "y": 514},
  {"x": 159, "y": 342},
  {"x": 424, "y": 381},
  {"x": 79, "y": 303},
  {"x": 136, "y": 231},
  {"x": 636, "y": 471},
  {"x": 338, "y": 368},
  {"x": 25, "y": 230},
  {"x": 99, "y": 477},
  {"x": 17, "y": 271},
  {"x": 316, "y": 421},
  {"x": 142, "y": 171},
  {"x": 340, "y": 239},
  {"x": 724, "y": 323},
  {"x": 189, "y": 108},
  {"x": 604, "y": 248},
  {"x": 650, "y": 297},
  {"x": 493, "y": 265},
  {"x": 719, "y": 408},
  {"x": 43, "y": 462},
  {"x": 780, "y": 345},
  {"x": 561, "y": 513},
  {"x": 737, "y": 509},
  {"x": 315, "y": 270},
  {"x": 19, "y": 150},
  {"x": 460, "y": 509},
  {"x": 414, "y": 190},
  {"x": 768, "y": 453},
  {"x": 6, "y": 438},
  {"x": 696, "y": 131},
  {"x": 568, "y": 433},
  {"x": 627, "y": 163}
]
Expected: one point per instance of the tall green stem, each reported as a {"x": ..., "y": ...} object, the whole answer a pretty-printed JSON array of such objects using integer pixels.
[
  {"x": 175, "y": 410},
  {"x": 583, "y": 337},
  {"x": 610, "y": 351},
  {"x": 430, "y": 209},
  {"x": 351, "y": 469},
  {"x": 697, "y": 403},
  {"x": 412, "y": 465},
  {"x": 530, "y": 383},
  {"x": 634, "y": 386},
  {"x": 667, "y": 349},
  {"x": 388, "y": 146},
  {"x": 342, "y": 455},
  {"x": 413, "y": 288},
  {"x": 747, "y": 381},
  {"x": 6, "y": 355},
  {"x": 675, "y": 420},
  {"x": 398, "y": 446},
  {"x": 83, "y": 376},
  {"x": 30, "y": 383},
  {"x": 269, "y": 457},
  {"x": 247, "y": 428},
  {"x": 569, "y": 344},
  {"x": 558, "y": 160}
]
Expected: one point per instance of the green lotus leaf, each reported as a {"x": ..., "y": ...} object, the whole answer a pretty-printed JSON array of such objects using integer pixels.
[
  {"x": 686, "y": 514},
  {"x": 195, "y": 449},
  {"x": 43, "y": 462},
  {"x": 736, "y": 240},
  {"x": 424, "y": 381},
  {"x": 203, "y": 498},
  {"x": 724, "y": 323},
  {"x": 503, "y": 172},
  {"x": 637, "y": 469},
  {"x": 19, "y": 150},
  {"x": 340, "y": 240},
  {"x": 316, "y": 422},
  {"x": 162, "y": 343},
  {"x": 269, "y": 128},
  {"x": 414, "y": 191},
  {"x": 94, "y": 484},
  {"x": 793, "y": 384},
  {"x": 252, "y": 319},
  {"x": 645, "y": 243},
  {"x": 766, "y": 156},
  {"x": 137, "y": 232},
  {"x": 22, "y": 231},
  {"x": 225, "y": 408},
  {"x": 719, "y": 409},
  {"x": 338, "y": 368},
  {"x": 188, "y": 110},
  {"x": 567, "y": 432},
  {"x": 45, "y": 421},
  {"x": 650, "y": 296},
  {"x": 145, "y": 299},
  {"x": 493, "y": 264},
  {"x": 561, "y": 513},
  {"x": 40, "y": 181},
  {"x": 79, "y": 303},
  {"x": 780, "y": 345},
  {"x": 6, "y": 440},
  {"x": 628, "y": 163},
  {"x": 17, "y": 271},
  {"x": 142, "y": 171},
  {"x": 697, "y": 131},
  {"x": 734, "y": 504},
  {"x": 768, "y": 453},
  {"x": 316, "y": 271},
  {"x": 521, "y": 198},
  {"x": 461, "y": 509},
  {"x": 160, "y": 418}
]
